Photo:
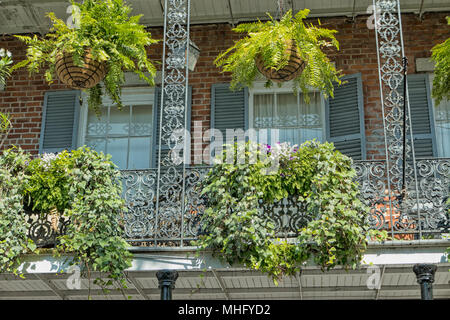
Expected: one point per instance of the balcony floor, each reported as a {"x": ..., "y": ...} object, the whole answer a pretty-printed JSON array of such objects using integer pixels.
[{"x": 395, "y": 260}]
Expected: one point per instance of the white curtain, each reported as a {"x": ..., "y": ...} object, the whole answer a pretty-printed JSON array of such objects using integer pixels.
[{"x": 295, "y": 120}]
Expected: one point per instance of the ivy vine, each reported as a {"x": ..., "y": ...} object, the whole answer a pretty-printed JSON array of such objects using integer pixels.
[
  {"x": 85, "y": 187},
  {"x": 319, "y": 176}
]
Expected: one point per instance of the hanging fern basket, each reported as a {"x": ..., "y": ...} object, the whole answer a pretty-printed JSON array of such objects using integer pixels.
[
  {"x": 76, "y": 77},
  {"x": 293, "y": 68}
]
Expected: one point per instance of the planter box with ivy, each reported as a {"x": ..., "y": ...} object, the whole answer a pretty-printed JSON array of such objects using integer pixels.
[
  {"x": 317, "y": 176},
  {"x": 82, "y": 185}
]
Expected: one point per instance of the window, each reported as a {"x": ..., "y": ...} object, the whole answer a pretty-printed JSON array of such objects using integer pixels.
[
  {"x": 294, "y": 120},
  {"x": 339, "y": 120},
  {"x": 442, "y": 126},
  {"x": 127, "y": 134}
]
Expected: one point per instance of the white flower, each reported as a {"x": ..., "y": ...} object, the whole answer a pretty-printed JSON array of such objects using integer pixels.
[
  {"x": 47, "y": 158},
  {"x": 9, "y": 54},
  {"x": 2, "y": 52}
]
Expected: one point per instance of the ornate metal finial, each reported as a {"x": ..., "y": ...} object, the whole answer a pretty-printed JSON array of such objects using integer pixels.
[
  {"x": 166, "y": 279},
  {"x": 425, "y": 277}
]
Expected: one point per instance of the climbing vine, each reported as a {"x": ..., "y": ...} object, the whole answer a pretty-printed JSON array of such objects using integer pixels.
[
  {"x": 83, "y": 186},
  {"x": 13, "y": 225},
  {"x": 318, "y": 176}
]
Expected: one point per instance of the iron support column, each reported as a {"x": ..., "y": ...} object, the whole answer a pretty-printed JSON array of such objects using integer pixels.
[
  {"x": 425, "y": 277},
  {"x": 166, "y": 279}
]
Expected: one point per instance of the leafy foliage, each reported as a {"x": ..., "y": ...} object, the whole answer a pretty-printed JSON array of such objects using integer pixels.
[
  {"x": 268, "y": 40},
  {"x": 5, "y": 128},
  {"x": 5, "y": 65},
  {"x": 13, "y": 225},
  {"x": 48, "y": 183},
  {"x": 113, "y": 37},
  {"x": 441, "y": 81},
  {"x": 319, "y": 176},
  {"x": 84, "y": 185}
]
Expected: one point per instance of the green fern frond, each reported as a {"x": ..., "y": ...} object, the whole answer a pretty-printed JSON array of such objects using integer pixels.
[{"x": 268, "y": 40}]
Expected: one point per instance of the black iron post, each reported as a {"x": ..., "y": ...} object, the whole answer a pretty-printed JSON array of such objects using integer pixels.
[
  {"x": 425, "y": 277},
  {"x": 166, "y": 279}
]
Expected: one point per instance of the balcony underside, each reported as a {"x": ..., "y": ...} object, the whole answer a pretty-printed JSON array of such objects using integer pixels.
[{"x": 221, "y": 281}]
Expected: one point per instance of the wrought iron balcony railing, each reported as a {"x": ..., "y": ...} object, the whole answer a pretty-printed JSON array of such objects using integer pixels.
[{"x": 423, "y": 215}]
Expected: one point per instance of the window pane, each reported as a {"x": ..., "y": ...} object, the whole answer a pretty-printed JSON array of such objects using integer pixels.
[
  {"x": 97, "y": 126},
  {"x": 141, "y": 121},
  {"x": 118, "y": 149},
  {"x": 286, "y": 111},
  {"x": 119, "y": 121},
  {"x": 288, "y": 118},
  {"x": 97, "y": 144},
  {"x": 139, "y": 153},
  {"x": 311, "y": 118},
  {"x": 442, "y": 119},
  {"x": 263, "y": 110}
]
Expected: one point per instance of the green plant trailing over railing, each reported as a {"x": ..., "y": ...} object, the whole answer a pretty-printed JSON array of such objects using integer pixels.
[
  {"x": 94, "y": 232},
  {"x": 268, "y": 40},
  {"x": 85, "y": 187},
  {"x": 321, "y": 178},
  {"x": 106, "y": 28},
  {"x": 441, "y": 81},
  {"x": 13, "y": 225}
]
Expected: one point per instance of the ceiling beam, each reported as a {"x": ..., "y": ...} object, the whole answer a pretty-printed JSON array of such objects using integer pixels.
[
  {"x": 52, "y": 287},
  {"x": 221, "y": 284},
  {"x": 299, "y": 281},
  {"x": 377, "y": 295},
  {"x": 138, "y": 287},
  {"x": 231, "y": 13},
  {"x": 421, "y": 9}
]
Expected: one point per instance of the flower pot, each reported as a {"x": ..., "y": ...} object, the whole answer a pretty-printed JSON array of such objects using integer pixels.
[
  {"x": 292, "y": 70},
  {"x": 84, "y": 77}
]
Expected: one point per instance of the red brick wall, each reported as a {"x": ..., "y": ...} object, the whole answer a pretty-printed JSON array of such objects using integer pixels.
[{"x": 24, "y": 94}]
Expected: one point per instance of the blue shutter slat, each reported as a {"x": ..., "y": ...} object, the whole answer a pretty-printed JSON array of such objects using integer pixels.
[
  {"x": 229, "y": 109},
  {"x": 59, "y": 121},
  {"x": 345, "y": 118},
  {"x": 421, "y": 115}
]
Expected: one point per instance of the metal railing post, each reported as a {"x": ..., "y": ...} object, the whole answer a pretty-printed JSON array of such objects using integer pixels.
[
  {"x": 166, "y": 279},
  {"x": 425, "y": 277}
]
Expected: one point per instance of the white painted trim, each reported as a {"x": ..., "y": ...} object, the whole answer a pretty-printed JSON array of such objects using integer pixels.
[
  {"x": 425, "y": 65},
  {"x": 390, "y": 253}
]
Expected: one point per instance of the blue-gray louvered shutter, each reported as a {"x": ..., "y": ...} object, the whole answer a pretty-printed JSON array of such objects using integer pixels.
[
  {"x": 229, "y": 109},
  {"x": 421, "y": 115},
  {"x": 156, "y": 124},
  {"x": 59, "y": 121},
  {"x": 345, "y": 118}
]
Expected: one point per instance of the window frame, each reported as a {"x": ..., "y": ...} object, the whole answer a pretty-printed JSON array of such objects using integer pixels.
[
  {"x": 259, "y": 88},
  {"x": 430, "y": 77},
  {"x": 134, "y": 96}
]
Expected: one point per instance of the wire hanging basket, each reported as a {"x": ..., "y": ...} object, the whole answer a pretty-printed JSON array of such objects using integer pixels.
[
  {"x": 293, "y": 68},
  {"x": 76, "y": 77}
]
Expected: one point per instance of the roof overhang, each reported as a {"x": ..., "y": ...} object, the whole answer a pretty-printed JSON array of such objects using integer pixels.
[
  {"x": 28, "y": 16},
  {"x": 206, "y": 277}
]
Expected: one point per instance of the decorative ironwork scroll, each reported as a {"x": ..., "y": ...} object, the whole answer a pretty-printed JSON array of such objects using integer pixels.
[
  {"x": 43, "y": 231},
  {"x": 140, "y": 223},
  {"x": 390, "y": 52},
  {"x": 171, "y": 175}
]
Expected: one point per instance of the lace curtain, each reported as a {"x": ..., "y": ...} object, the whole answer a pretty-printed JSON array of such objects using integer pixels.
[{"x": 288, "y": 118}]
